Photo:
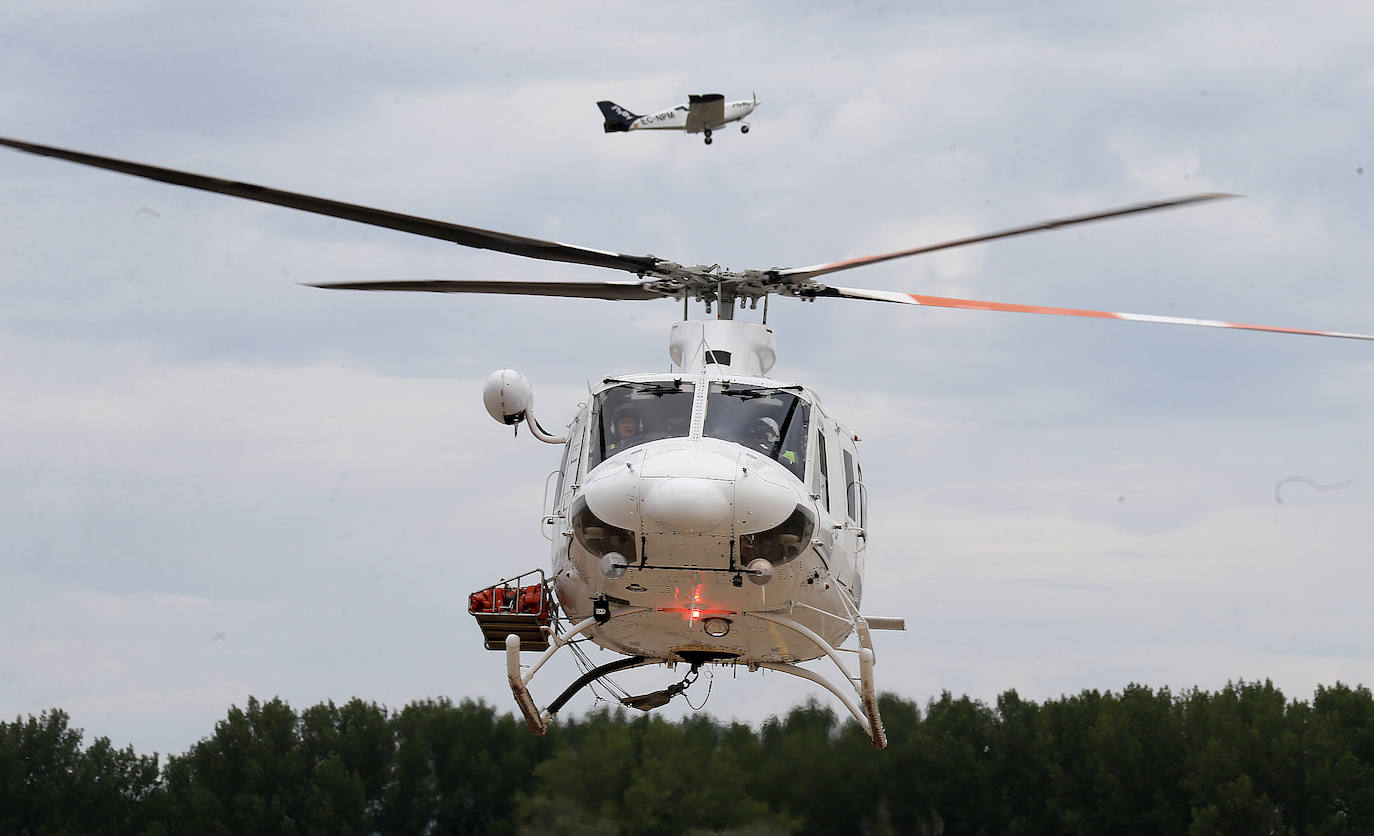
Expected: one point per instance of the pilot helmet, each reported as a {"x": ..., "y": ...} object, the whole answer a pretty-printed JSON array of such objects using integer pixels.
[
  {"x": 764, "y": 430},
  {"x": 622, "y": 412}
]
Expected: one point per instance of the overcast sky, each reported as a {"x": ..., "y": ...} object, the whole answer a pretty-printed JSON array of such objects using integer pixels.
[{"x": 217, "y": 483}]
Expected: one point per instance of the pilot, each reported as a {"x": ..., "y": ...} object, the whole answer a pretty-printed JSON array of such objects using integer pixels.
[
  {"x": 763, "y": 435},
  {"x": 626, "y": 427}
]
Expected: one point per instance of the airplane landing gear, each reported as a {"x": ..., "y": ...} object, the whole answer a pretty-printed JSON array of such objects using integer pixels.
[
  {"x": 744, "y": 129},
  {"x": 708, "y": 136}
]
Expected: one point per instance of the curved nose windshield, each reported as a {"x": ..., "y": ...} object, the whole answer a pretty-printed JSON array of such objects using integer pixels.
[
  {"x": 768, "y": 420},
  {"x": 771, "y": 421},
  {"x": 634, "y": 413}
]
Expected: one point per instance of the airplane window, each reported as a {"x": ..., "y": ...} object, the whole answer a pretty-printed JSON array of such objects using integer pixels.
[
  {"x": 633, "y": 413},
  {"x": 772, "y": 421}
]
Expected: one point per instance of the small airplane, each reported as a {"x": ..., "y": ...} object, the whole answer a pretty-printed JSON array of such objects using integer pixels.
[
  {"x": 701, "y": 115},
  {"x": 709, "y": 515}
]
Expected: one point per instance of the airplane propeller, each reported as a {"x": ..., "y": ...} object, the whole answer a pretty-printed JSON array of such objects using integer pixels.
[{"x": 658, "y": 277}]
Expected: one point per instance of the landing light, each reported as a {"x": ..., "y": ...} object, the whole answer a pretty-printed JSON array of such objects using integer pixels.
[
  {"x": 716, "y": 627},
  {"x": 760, "y": 571},
  {"x": 613, "y": 565},
  {"x": 696, "y": 611}
]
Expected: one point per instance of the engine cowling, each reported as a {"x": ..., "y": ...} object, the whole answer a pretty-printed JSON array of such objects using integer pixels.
[{"x": 507, "y": 395}]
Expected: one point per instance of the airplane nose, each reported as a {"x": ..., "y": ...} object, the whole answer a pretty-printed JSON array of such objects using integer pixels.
[{"x": 684, "y": 504}]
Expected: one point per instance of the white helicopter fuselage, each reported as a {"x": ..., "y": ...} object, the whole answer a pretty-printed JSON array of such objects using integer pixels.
[{"x": 691, "y": 498}]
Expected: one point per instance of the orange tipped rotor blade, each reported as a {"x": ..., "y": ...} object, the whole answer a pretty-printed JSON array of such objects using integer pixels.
[{"x": 976, "y": 305}]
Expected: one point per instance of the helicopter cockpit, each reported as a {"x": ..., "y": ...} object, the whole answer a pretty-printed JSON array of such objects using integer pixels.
[
  {"x": 634, "y": 413},
  {"x": 769, "y": 420}
]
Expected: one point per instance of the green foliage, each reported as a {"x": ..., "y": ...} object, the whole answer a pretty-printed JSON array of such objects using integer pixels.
[
  {"x": 1242, "y": 760},
  {"x": 610, "y": 774},
  {"x": 50, "y": 785}
]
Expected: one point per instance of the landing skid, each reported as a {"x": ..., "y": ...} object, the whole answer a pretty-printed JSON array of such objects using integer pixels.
[
  {"x": 519, "y": 682},
  {"x": 863, "y": 684},
  {"x": 865, "y": 711}
]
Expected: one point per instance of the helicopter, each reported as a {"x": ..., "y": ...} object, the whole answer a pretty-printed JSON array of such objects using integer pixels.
[{"x": 710, "y": 516}]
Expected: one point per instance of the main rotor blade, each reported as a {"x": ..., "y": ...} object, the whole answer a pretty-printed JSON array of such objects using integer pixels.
[
  {"x": 467, "y": 236},
  {"x": 975, "y": 305},
  {"x": 1059, "y": 223},
  {"x": 584, "y": 290}
]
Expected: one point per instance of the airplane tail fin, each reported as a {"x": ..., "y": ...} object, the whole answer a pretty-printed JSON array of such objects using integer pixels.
[{"x": 617, "y": 117}]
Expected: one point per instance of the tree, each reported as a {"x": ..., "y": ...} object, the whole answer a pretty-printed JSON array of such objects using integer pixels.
[{"x": 50, "y": 785}]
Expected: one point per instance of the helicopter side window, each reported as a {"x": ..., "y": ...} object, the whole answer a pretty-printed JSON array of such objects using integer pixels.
[
  {"x": 572, "y": 453},
  {"x": 562, "y": 475},
  {"x": 771, "y": 421},
  {"x": 634, "y": 413},
  {"x": 851, "y": 487},
  {"x": 863, "y": 496},
  {"x": 822, "y": 476}
]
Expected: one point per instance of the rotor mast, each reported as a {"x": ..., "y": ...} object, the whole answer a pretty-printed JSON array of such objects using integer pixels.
[{"x": 725, "y": 305}]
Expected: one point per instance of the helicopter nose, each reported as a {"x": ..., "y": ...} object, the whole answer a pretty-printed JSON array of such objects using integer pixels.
[
  {"x": 688, "y": 490},
  {"x": 688, "y": 505},
  {"x": 698, "y": 489},
  {"x": 763, "y": 499}
]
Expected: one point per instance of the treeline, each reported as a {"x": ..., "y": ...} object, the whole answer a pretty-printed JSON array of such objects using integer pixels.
[{"x": 1244, "y": 760}]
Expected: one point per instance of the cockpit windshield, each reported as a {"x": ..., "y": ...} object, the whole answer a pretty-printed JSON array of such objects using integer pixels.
[
  {"x": 771, "y": 421},
  {"x": 633, "y": 413}
]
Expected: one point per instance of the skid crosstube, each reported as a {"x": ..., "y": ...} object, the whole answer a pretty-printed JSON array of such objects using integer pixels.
[{"x": 865, "y": 711}]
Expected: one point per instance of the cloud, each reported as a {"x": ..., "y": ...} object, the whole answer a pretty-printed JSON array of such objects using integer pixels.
[{"x": 196, "y": 446}]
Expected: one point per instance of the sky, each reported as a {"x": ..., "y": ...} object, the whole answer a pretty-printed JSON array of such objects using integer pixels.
[{"x": 216, "y": 482}]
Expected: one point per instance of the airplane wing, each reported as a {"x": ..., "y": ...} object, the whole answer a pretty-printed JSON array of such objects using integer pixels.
[{"x": 705, "y": 111}]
